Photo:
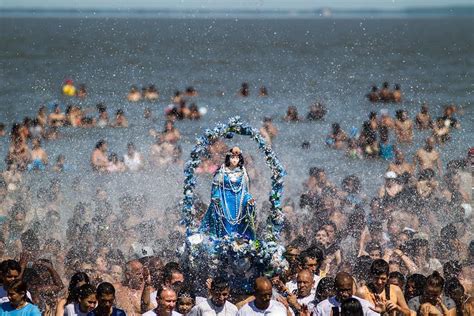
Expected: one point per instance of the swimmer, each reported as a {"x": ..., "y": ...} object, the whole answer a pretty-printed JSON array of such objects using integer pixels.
[
  {"x": 263, "y": 92},
  {"x": 178, "y": 96},
  {"x": 39, "y": 158},
  {"x": 291, "y": 114},
  {"x": 244, "y": 90},
  {"x": 385, "y": 119},
  {"x": 133, "y": 159},
  {"x": 385, "y": 94},
  {"x": 74, "y": 115},
  {"x": 161, "y": 153},
  {"x": 134, "y": 94},
  {"x": 190, "y": 92},
  {"x": 60, "y": 164},
  {"x": 88, "y": 122},
  {"x": 103, "y": 120},
  {"x": 423, "y": 119},
  {"x": 317, "y": 111},
  {"x": 147, "y": 114},
  {"x": 2, "y": 130},
  {"x": 441, "y": 131},
  {"x": 120, "y": 119},
  {"x": 337, "y": 137},
  {"x": 42, "y": 117},
  {"x": 68, "y": 88},
  {"x": 170, "y": 133},
  {"x": 194, "y": 113},
  {"x": 399, "y": 165},
  {"x": 57, "y": 118},
  {"x": 268, "y": 130},
  {"x": 151, "y": 93},
  {"x": 373, "y": 96},
  {"x": 81, "y": 92},
  {"x": 403, "y": 127},
  {"x": 115, "y": 164},
  {"x": 99, "y": 160},
  {"x": 397, "y": 94},
  {"x": 385, "y": 148},
  {"x": 427, "y": 157}
]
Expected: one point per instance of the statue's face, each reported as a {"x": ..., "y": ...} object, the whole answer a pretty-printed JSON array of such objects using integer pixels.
[{"x": 234, "y": 161}]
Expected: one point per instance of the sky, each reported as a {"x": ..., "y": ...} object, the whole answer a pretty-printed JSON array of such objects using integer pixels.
[{"x": 229, "y": 4}]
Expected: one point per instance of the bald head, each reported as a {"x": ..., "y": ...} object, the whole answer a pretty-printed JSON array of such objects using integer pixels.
[
  {"x": 343, "y": 277},
  {"x": 343, "y": 284},
  {"x": 262, "y": 283}
]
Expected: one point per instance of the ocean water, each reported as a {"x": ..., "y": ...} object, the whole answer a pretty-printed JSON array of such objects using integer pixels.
[{"x": 300, "y": 61}]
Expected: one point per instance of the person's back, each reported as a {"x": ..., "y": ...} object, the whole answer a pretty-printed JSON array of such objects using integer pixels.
[{"x": 274, "y": 308}]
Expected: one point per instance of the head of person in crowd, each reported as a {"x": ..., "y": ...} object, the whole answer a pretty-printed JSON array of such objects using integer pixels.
[
  {"x": 173, "y": 276},
  {"x": 86, "y": 297},
  {"x": 415, "y": 285},
  {"x": 397, "y": 278},
  {"x": 455, "y": 290},
  {"x": 134, "y": 274},
  {"x": 262, "y": 292},
  {"x": 220, "y": 291},
  {"x": 343, "y": 285},
  {"x": 312, "y": 258},
  {"x": 77, "y": 280},
  {"x": 331, "y": 230},
  {"x": 11, "y": 272},
  {"x": 433, "y": 288},
  {"x": 324, "y": 289},
  {"x": 291, "y": 255},
  {"x": 186, "y": 301},
  {"x": 379, "y": 271},
  {"x": 105, "y": 295},
  {"x": 17, "y": 293},
  {"x": 351, "y": 307},
  {"x": 304, "y": 282},
  {"x": 322, "y": 237},
  {"x": 166, "y": 299},
  {"x": 374, "y": 249}
]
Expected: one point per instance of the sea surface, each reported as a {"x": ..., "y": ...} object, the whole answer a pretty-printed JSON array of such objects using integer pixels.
[{"x": 300, "y": 61}]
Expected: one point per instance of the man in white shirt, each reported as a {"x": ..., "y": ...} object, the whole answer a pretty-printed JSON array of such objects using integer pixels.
[
  {"x": 217, "y": 304},
  {"x": 344, "y": 290},
  {"x": 303, "y": 296},
  {"x": 310, "y": 259},
  {"x": 166, "y": 299},
  {"x": 263, "y": 303}
]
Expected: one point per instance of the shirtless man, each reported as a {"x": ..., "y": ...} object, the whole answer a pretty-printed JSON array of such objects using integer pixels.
[
  {"x": 268, "y": 130},
  {"x": 399, "y": 165},
  {"x": 57, "y": 118},
  {"x": 427, "y": 157},
  {"x": 99, "y": 160},
  {"x": 423, "y": 119},
  {"x": 403, "y": 127},
  {"x": 387, "y": 298},
  {"x": 39, "y": 157}
]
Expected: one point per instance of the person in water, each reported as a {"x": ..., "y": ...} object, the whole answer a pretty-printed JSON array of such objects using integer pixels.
[
  {"x": 232, "y": 208},
  {"x": 386, "y": 150},
  {"x": 68, "y": 88},
  {"x": 291, "y": 114},
  {"x": 39, "y": 158},
  {"x": 423, "y": 119},
  {"x": 99, "y": 160},
  {"x": 134, "y": 95},
  {"x": 373, "y": 96},
  {"x": 317, "y": 111},
  {"x": 120, "y": 119},
  {"x": 57, "y": 118},
  {"x": 244, "y": 90}
]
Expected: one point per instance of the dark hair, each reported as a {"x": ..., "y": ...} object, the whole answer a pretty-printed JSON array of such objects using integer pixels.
[
  {"x": 329, "y": 223},
  {"x": 435, "y": 280},
  {"x": 397, "y": 275},
  {"x": 169, "y": 269},
  {"x": 354, "y": 180},
  {"x": 85, "y": 290},
  {"x": 188, "y": 292},
  {"x": 351, "y": 307},
  {"x": 227, "y": 160},
  {"x": 373, "y": 245},
  {"x": 336, "y": 128},
  {"x": 449, "y": 232},
  {"x": 9, "y": 265},
  {"x": 73, "y": 290},
  {"x": 419, "y": 281},
  {"x": 19, "y": 286},
  {"x": 372, "y": 115},
  {"x": 379, "y": 267},
  {"x": 383, "y": 133},
  {"x": 100, "y": 143},
  {"x": 325, "y": 284},
  {"x": 313, "y": 252},
  {"x": 219, "y": 283},
  {"x": 105, "y": 288},
  {"x": 452, "y": 285}
]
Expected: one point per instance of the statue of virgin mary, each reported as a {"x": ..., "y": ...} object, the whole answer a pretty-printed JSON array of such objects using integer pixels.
[{"x": 232, "y": 208}]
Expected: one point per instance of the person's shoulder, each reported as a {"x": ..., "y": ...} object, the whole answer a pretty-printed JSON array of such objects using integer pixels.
[
  {"x": 118, "y": 312},
  {"x": 231, "y": 306},
  {"x": 33, "y": 309},
  {"x": 151, "y": 313},
  {"x": 449, "y": 302},
  {"x": 414, "y": 303}
]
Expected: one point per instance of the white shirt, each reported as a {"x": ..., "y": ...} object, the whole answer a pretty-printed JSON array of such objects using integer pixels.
[
  {"x": 153, "y": 313},
  {"x": 275, "y": 309},
  {"x": 324, "y": 308},
  {"x": 292, "y": 286},
  {"x": 207, "y": 308},
  {"x": 308, "y": 301},
  {"x": 4, "y": 295},
  {"x": 73, "y": 310}
]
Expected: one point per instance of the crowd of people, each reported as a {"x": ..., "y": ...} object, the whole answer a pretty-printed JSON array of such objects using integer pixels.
[
  {"x": 385, "y": 94},
  {"x": 406, "y": 251}
]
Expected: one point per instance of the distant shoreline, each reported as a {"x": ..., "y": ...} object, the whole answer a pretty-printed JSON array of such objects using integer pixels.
[{"x": 461, "y": 11}]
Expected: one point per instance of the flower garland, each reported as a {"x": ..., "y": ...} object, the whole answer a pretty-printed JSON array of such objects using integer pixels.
[{"x": 263, "y": 251}]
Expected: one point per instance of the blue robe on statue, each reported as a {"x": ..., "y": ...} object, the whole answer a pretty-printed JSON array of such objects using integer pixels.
[{"x": 229, "y": 212}]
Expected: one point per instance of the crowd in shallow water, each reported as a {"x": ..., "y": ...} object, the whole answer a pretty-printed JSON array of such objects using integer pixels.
[{"x": 407, "y": 250}]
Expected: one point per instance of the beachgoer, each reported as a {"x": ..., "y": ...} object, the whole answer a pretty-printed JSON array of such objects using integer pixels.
[
  {"x": 403, "y": 127},
  {"x": 99, "y": 160},
  {"x": 423, "y": 119},
  {"x": 134, "y": 94},
  {"x": 427, "y": 157}
]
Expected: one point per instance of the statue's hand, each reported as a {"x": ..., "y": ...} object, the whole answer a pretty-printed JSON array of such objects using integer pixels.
[{"x": 252, "y": 201}]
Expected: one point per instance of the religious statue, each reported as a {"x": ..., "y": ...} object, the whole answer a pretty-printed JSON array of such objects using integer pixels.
[{"x": 231, "y": 211}]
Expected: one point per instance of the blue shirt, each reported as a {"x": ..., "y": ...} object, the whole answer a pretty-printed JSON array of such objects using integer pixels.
[
  {"x": 27, "y": 310},
  {"x": 115, "y": 312}
]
